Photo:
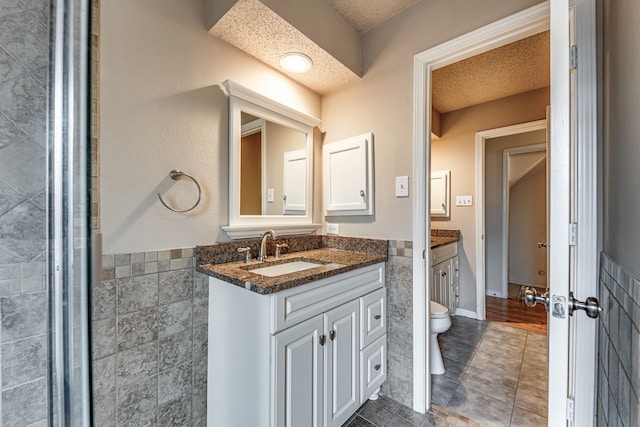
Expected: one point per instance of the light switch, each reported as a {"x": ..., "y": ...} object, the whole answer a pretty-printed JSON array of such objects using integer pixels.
[
  {"x": 464, "y": 200},
  {"x": 402, "y": 186},
  {"x": 269, "y": 195}
]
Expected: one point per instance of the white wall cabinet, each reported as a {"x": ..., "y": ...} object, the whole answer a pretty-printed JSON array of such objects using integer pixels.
[
  {"x": 348, "y": 176},
  {"x": 306, "y": 356},
  {"x": 445, "y": 282},
  {"x": 440, "y": 193}
]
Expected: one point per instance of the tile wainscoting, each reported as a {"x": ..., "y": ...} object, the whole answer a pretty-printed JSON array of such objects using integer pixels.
[
  {"x": 399, "y": 385},
  {"x": 618, "y": 346},
  {"x": 150, "y": 340}
]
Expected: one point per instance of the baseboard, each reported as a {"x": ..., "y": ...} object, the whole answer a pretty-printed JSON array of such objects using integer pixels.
[{"x": 466, "y": 313}]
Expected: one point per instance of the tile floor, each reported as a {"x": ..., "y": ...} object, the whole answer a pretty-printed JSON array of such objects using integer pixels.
[{"x": 496, "y": 376}]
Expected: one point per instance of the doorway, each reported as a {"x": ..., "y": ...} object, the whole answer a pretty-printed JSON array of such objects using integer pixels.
[{"x": 530, "y": 21}]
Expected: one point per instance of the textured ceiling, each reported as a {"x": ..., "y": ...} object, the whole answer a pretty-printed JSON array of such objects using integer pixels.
[
  {"x": 366, "y": 14},
  {"x": 256, "y": 29},
  {"x": 515, "y": 68}
]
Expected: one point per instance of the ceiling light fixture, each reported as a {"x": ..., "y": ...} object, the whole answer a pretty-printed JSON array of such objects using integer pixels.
[{"x": 296, "y": 62}]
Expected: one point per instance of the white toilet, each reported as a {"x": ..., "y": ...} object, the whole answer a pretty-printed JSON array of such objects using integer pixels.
[{"x": 440, "y": 322}]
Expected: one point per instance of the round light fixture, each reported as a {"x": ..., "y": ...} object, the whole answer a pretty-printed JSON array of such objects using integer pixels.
[{"x": 296, "y": 62}]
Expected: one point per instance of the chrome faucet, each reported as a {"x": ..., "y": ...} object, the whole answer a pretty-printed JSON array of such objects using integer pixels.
[{"x": 262, "y": 253}]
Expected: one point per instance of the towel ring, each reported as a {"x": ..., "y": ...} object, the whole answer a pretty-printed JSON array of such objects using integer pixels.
[{"x": 176, "y": 175}]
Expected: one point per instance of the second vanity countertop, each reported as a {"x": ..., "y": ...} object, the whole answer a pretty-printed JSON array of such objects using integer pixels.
[
  {"x": 334, "y": 261},
  {"x": 441, "y": 237}
]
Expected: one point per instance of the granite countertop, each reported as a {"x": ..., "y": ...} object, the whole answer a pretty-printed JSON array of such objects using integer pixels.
[
  {"x": 441, "y": 237},
  {"x": 441, "y": 241},
  {"x": 335, "y": 261}
]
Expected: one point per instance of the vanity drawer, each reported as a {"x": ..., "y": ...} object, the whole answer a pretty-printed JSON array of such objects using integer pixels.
[
  {"x": 373, "y": 316},
  {"x": 297, "y": 304},
  {"x": 373, "y": 367},
  {"x": 444, "y": 252}
]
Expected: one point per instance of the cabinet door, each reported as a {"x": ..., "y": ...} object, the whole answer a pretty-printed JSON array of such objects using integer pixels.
[
  {"x": 342, "y": 377},
  {"x": 299, "y": 372},
  {"x": 440, "y": 280},
  {"x": 348, "y": 176}
]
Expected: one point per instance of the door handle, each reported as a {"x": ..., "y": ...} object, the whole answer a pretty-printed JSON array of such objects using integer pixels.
[
  {"x": 543, "y": 245},
  {"x": 531, "y": 298},
  {"x": 591, "y": 306}
]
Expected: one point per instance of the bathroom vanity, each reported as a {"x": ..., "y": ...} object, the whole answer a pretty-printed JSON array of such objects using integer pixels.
[
  {"x": 300, "y": 348},
  {"x": 445, "y": 274}
]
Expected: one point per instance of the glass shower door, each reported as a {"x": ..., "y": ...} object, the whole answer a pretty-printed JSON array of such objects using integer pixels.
[{"x": 44, "y": 238}]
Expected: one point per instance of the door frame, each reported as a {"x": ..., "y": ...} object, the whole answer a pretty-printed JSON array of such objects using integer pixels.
[
  {"x": 481, "y": 141},
  {"x": 589, "y": 207},
  {"x": 507, "y": 30}
]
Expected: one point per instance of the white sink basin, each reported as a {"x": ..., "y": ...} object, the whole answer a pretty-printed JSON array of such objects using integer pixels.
[{"x": 280, "y": 269}]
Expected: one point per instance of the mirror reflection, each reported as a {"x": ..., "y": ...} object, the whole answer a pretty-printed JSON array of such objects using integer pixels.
[{"x": 273, "y": 168}]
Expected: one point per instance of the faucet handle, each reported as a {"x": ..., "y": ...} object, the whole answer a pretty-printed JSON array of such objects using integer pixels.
[
  {"x": 247, "y": 254},
  {"x": 278, "y": 246}
]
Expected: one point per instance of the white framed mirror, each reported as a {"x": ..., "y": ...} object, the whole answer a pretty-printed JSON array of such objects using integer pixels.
[{"x": 270, "y": 166}]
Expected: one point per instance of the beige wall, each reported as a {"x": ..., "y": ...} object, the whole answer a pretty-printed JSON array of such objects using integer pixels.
[
  {"x": 163, "y": 107},
  {"x": 621, "y": 133},
  {"x": 382, "y": 102}
]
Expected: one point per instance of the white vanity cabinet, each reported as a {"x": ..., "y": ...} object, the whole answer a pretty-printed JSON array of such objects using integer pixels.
[
  {"x": 445, "y": 276},
  {"x": 305, "y": 356}
]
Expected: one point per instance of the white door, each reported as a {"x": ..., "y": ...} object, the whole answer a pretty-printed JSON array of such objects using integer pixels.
[
  {"x": 342, "y": 376},
  {"x": 573, "y": 219},
  {"x": 299, "y": 374}
]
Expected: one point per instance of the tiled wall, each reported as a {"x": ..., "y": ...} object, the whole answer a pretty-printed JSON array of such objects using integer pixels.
[
  {"x": 399, "y": 385},
  {"x": 150, "y": 340},
  {"x": 24, "y": 55},
  {"x": 95, "y": 116},
  {"x": 618, "y": 346}
]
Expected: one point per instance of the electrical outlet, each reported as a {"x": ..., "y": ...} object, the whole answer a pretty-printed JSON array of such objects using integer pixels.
[
  {"x": 269, "y": 195},
  {"x": 464, "y": 200},
  {"x": 333, "y": 228}
]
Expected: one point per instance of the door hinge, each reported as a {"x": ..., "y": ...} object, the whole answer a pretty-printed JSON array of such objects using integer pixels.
[
  {"x": 571, "y": 409},
  {"x": 573, "y": 55},
  {"x": 573, "y": 234}
]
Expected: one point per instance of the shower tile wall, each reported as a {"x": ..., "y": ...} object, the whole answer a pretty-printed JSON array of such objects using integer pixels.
[
  {"x": 618, "y": 346},
  {"x": 399, "y": 385},
  {"x": 24, "y": 55},
  {"x": 150, "y": 340}
]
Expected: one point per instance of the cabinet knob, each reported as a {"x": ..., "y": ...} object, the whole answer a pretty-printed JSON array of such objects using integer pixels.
[
  {"x": 361, "y": 193},
  {"x": 444, "y": 273},
  {"x": 332, "y": 334},
  {"x": 377, "y": 367},
  {"x": 322, "y": 339},
  {"x": 377, "y": 317}
]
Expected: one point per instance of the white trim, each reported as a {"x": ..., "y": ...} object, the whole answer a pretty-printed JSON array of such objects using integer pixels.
[
  {"x": 481, "y": 141},
  {"x": 236, "y": 232},
  {"x": 466, "y": 313},
  {"x": 589, "y": 209},
  {"x": 506, "y": 185},
  {"x": 239, "y": 91},
  {"x": 559, "y": 212},
  {"x": 515, "y": 27}
]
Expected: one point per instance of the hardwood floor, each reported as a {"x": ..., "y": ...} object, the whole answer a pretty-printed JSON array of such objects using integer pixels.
[{"x": 512, "y": 312}]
